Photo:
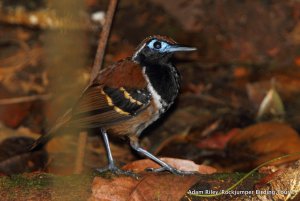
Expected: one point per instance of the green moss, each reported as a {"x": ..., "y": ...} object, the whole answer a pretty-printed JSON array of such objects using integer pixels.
[
  {"x": 23, "y": 181},
  {"x": 46, "y": 186}
]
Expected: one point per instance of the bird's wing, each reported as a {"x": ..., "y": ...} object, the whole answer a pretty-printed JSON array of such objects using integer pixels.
[{"x": 117, "y": 94}]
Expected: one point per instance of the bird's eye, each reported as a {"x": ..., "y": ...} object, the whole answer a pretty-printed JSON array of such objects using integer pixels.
[{"x": 157, "y": 45}]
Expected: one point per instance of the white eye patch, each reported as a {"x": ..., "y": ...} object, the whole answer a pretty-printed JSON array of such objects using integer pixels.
[{"x": 159, "y": 45}]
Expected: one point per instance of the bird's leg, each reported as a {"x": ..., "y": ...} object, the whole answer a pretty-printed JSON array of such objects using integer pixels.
[
  {"x": 111, "y": 165},
  {"x": 164, "y": 166}
]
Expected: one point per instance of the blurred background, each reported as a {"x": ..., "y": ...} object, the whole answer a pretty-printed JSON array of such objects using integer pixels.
[{"x": 240, "y": 99}]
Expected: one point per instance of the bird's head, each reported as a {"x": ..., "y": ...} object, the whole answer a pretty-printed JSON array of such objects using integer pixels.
[{"x": 158, "y": 49}]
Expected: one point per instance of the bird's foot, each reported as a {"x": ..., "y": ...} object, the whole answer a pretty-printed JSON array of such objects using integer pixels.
[
  {"x": 171, "y": 169},
  {"x": 115, "y": 170}
]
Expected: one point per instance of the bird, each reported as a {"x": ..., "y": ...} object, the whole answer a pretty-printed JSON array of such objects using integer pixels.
[{"x": 126, "y": 97}]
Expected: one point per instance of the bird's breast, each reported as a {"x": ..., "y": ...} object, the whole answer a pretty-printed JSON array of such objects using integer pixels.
[{"x": 163, "y": 83}]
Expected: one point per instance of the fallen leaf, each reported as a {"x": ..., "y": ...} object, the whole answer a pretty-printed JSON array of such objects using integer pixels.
[
  {"x": 271, "y": 106},
  {"x": 288, "y": 86},
  {"x": 149, "y": 187},
  {"x": 13, "y": 115},
  {"x": 297, "y": 61},
  {"x": 240, "y": 72},
  {"x": 262, "y": 142},
  {"x": 119, "y": 188},
  {"x": 284, "y": 183},
  {"x": 15, "y": 158},
  {"x": 218, "y": 140},
  {"x": 268, "y": 178},
  {"x": 273, "y": 52}
]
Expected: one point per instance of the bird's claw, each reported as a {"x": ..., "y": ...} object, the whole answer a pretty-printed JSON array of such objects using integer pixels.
[
  {"x": 115, "y": 170},
  {"x": 170, "y": 169}
]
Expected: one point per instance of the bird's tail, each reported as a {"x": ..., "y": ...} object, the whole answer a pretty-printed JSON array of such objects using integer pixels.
[{"x": 43, "y": 140}]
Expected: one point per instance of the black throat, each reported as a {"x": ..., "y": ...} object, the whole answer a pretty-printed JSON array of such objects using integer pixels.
[{"x": 164, "y": 78}]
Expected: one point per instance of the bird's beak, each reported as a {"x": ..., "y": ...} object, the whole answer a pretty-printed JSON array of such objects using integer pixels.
[{"x": 181, "y": 48}]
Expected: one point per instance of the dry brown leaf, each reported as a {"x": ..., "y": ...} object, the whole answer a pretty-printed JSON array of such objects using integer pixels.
[
  {"x": 241, "y": 72},
  {"x": 218, "y": 140},
  {"x": 285, "y": 183},
  {"x": 297, "y": 61},
  {"x": 149, "y": 187},
  {"x": 13, "y": 115},
  {"x": 264, "y": 141},
  {"x": 288, "y": 86},
  {"x": 117, "y": 189},
  {"x": 15, "y": 158}
]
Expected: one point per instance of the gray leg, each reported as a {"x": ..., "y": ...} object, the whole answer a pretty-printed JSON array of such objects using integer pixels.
[
  {"x": 108, "y": 150},
  {"x": 111, "y": 165},
  {"x": 164, "y": 166}
]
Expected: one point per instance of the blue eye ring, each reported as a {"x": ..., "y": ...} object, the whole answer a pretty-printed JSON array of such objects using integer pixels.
[{"x": 157, "y": 45}]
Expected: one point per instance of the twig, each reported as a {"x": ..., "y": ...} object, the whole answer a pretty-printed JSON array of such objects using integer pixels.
[
  {"x": 96, "y": 68},
  {"x": 103, "y": 39},
  {"x": 7, "y": 101}
]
